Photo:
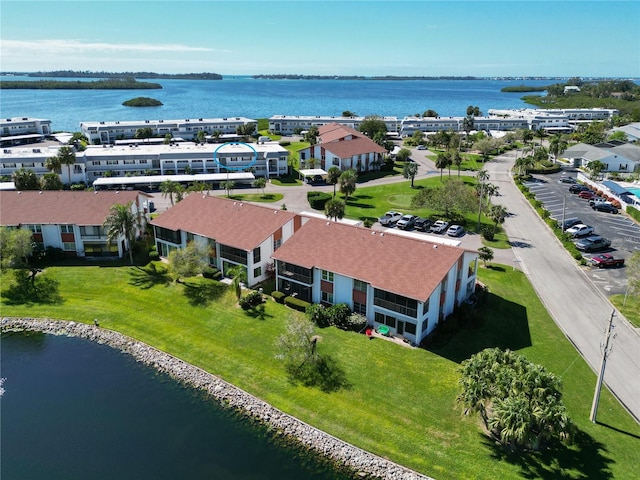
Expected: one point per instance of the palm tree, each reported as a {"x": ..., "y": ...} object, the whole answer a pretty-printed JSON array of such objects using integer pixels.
[
  {"x": 557, "y": 144},
  {"x": 25, "y": 179},
  {"x": 333, "y": 176},
  {"x": 334, "y": 208},
  {"x": 456, "y": 159},
  {"x": 121, "y": 222},
  {"x": 348, "y": 181},
  {"x": 53, "y": 164},
  {"x": 228, "y": 186},
  {"x": 168, "y": 188},
  {"x": 238, "y": 275},
  {"x": 260, "y": 183},
  {"x": 410, "y": 171},
  {"x": 443, "y": 160},
  {"x": 51, "y": 181},
  {"x": 527, "y": 135},
  {"x": 498, "y": 214},
  {"x": 67, "y": 157}
]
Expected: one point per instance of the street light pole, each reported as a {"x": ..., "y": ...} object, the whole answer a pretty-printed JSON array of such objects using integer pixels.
[{"x": 605, "y": 353}]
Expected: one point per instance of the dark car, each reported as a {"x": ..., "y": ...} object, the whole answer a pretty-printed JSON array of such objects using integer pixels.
[
  {"x": 604, "y": 207},
  {"x": 570, "y": 222},
  {"x": 422, "y": 224},
  {"x": 576, "y": 188},
  {"x": 568, "y": 179}
]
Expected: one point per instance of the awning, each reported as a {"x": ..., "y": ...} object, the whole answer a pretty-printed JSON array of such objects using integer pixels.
[{"x": 312, "y": 172}]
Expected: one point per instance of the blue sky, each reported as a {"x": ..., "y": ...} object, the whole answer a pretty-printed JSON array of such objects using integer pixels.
[{"x": 368, "y": 37}]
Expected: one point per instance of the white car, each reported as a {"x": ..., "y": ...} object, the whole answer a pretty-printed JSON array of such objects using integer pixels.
[
  {"x": 455, "y": 230},
  {"x": 439, "y": 226},
  {"x": 580, "y": 230},
  {"x": 421, "y": 147}
]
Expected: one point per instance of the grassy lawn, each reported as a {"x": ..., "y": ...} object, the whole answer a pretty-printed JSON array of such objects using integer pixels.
[
  {"x": 631, "y": 308},
  {"x": 399, "y": 403},
  {"x": 470, "y": 161},
  {"x": 373, "y": 202}
]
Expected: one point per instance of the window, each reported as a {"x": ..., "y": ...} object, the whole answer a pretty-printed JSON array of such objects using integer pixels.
[
  {"x": 397, "y": 303},
  {"x": 234, "y": 254},
  {"x": 360, "y": 308},
  {"x": 425, "y": 325},
  {"x": 69, "y": 246},
  {"x": 257, "y": 272},
  {"x": 256, "y": 255},
  {"x": 410, "y": 328},
  {"x": 66, "y": 228},
  {"x": 35, "y": 228},
  {"x": 359, "y": 285},
  {"x": 77, "y": 169},
  {"x": 327, "y": 297},
  {"x": 327, "y": 276}
]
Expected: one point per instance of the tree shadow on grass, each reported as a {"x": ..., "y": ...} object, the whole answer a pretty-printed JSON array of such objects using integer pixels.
[
  {"x": 351, "y": 203},
  {"x": 492, "y": 322},
  {"x": 203, "y": 293},
  {"x": 585, "y": 458},
  {"x": 148, "y": 276},
  {"x": 324, "y": 373},
  {"x": 44, "y": 291}
]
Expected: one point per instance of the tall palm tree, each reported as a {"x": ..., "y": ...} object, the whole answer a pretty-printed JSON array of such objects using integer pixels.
[
  {"x": 348, "y": 181},
  {"x": 456, "y": 159},
  {"x": 260, "y": 183},
  {"x": 557, "y": 144},
  {"x": 67, "y": 157},
  {"x": 121, "y": 222},
  {"x": 443, "y": 160},
  {"x": 498, "y": 214},
  {"x": 238, "y": 275},
  {"x": 168, "y": 188},
  {"x": 333, "y": 176},
  {"x": 410, "y": 171}
]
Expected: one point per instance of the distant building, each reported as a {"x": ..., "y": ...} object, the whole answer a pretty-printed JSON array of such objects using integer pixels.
[
  {"x": 21, "y": 130},
  {"x": 188, "y": 128},
  {"x": 290, "y": 124},
  {"x": 345, "y": 148},
  {"x": 617, "y": 156},
  {"x": 70, "y": 220}
]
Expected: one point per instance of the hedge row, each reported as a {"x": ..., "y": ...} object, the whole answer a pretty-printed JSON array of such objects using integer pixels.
[
  {"x": 292, "y": 302},
  {"x": 317, "y": 200}
]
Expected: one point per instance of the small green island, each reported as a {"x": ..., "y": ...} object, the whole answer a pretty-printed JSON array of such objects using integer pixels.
[
  {"x": 106, "y": 84},
  {"x": 142, "y": 102}
]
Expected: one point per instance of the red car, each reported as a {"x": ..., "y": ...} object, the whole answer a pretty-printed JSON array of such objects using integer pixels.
[
  {"x": 587, "y": 195},
  {"x": 606, "y": 260}
]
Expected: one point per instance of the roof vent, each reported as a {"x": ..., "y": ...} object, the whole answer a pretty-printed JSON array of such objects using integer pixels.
[
  {"x": 40, "y": 192},
  {"x": 382, "y": 234},
  {"x": 435, "y": 246}
]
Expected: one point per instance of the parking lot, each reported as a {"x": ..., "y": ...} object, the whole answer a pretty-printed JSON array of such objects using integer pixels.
[{"x": 620, "y": 229}]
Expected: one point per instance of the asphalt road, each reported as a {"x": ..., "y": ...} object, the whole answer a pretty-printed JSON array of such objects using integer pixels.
[{"x": 578, "y": 307}]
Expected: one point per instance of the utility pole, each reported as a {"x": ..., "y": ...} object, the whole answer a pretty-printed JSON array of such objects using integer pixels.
[{"x": 606, "y": 350}]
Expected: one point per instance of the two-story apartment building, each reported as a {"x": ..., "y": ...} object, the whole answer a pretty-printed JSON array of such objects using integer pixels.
[
  {"x": 290, "y": 124},
  {"x": 20, "y": 130},
  {"x": 70, "y": 220},
  {"x": 108, "y": 132},
  {"x": 345, "y": 148},
  {"x": 408, "y": 284},
  {"x": 237, "y": 233}
]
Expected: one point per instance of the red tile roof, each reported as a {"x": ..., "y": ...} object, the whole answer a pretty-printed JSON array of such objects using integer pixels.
[
  {"x": 233, "y": 223},
  {"x": 349, "y": 148},
  {"x": 405, "y": 266},
  {"x": 60, "y": 207},
  {"x": 333, "y": 131}
]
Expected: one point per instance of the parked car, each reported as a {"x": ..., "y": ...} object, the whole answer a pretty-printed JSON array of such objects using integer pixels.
[
  {"x": 406, "y": 222},
  {"x": 577, "y": 188},
  {"x": 455, "y": 230},
  {"x": 595, "y": 200},
  {"x": 593, "y": 243},
  {"x": 570, "y": 222},
  {"x": 604, "y": 207},
  {"x": 389, "y": 219},
  {"x": 580, "y": 230},
  {"x": 422, "y": 224},
  {"x": 606, "y": 260},
  {"x": 566, "y": 179},
  {"x": 439, "y": 226},
  {"x": 587, "y": 194},
  {"x": 421, "y": 147}
]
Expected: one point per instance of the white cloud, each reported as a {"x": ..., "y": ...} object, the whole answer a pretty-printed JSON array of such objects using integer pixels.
[{"x": 53, "y": 46}]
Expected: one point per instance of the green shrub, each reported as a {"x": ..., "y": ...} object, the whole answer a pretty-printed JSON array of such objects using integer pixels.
[
  {"x": 278, "y": 296},
  {"x": 339, "y": 315},
  {"x": 296, "y": 304},
  {"x": 154, "y": 255},
  {"x": 211, "y": 272},
  {"x": 318, "y": 314},
  {"x": 367, "y": 223},
  {"x": 487, "y": 233},
  {"x": 317, "y": 202},
  {"x": 251, "y": 300},
  {"x": 284, "y": 143},
  {"x": 634, "y": 212}
]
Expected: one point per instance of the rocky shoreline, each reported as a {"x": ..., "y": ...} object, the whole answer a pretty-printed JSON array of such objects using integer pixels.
[{"x": 362, "y": 463}]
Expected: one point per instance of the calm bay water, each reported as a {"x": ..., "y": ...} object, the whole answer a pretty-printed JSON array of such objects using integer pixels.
[
  {"x": 253, "y": 98},
  {"x": 78, "y": 410}
]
